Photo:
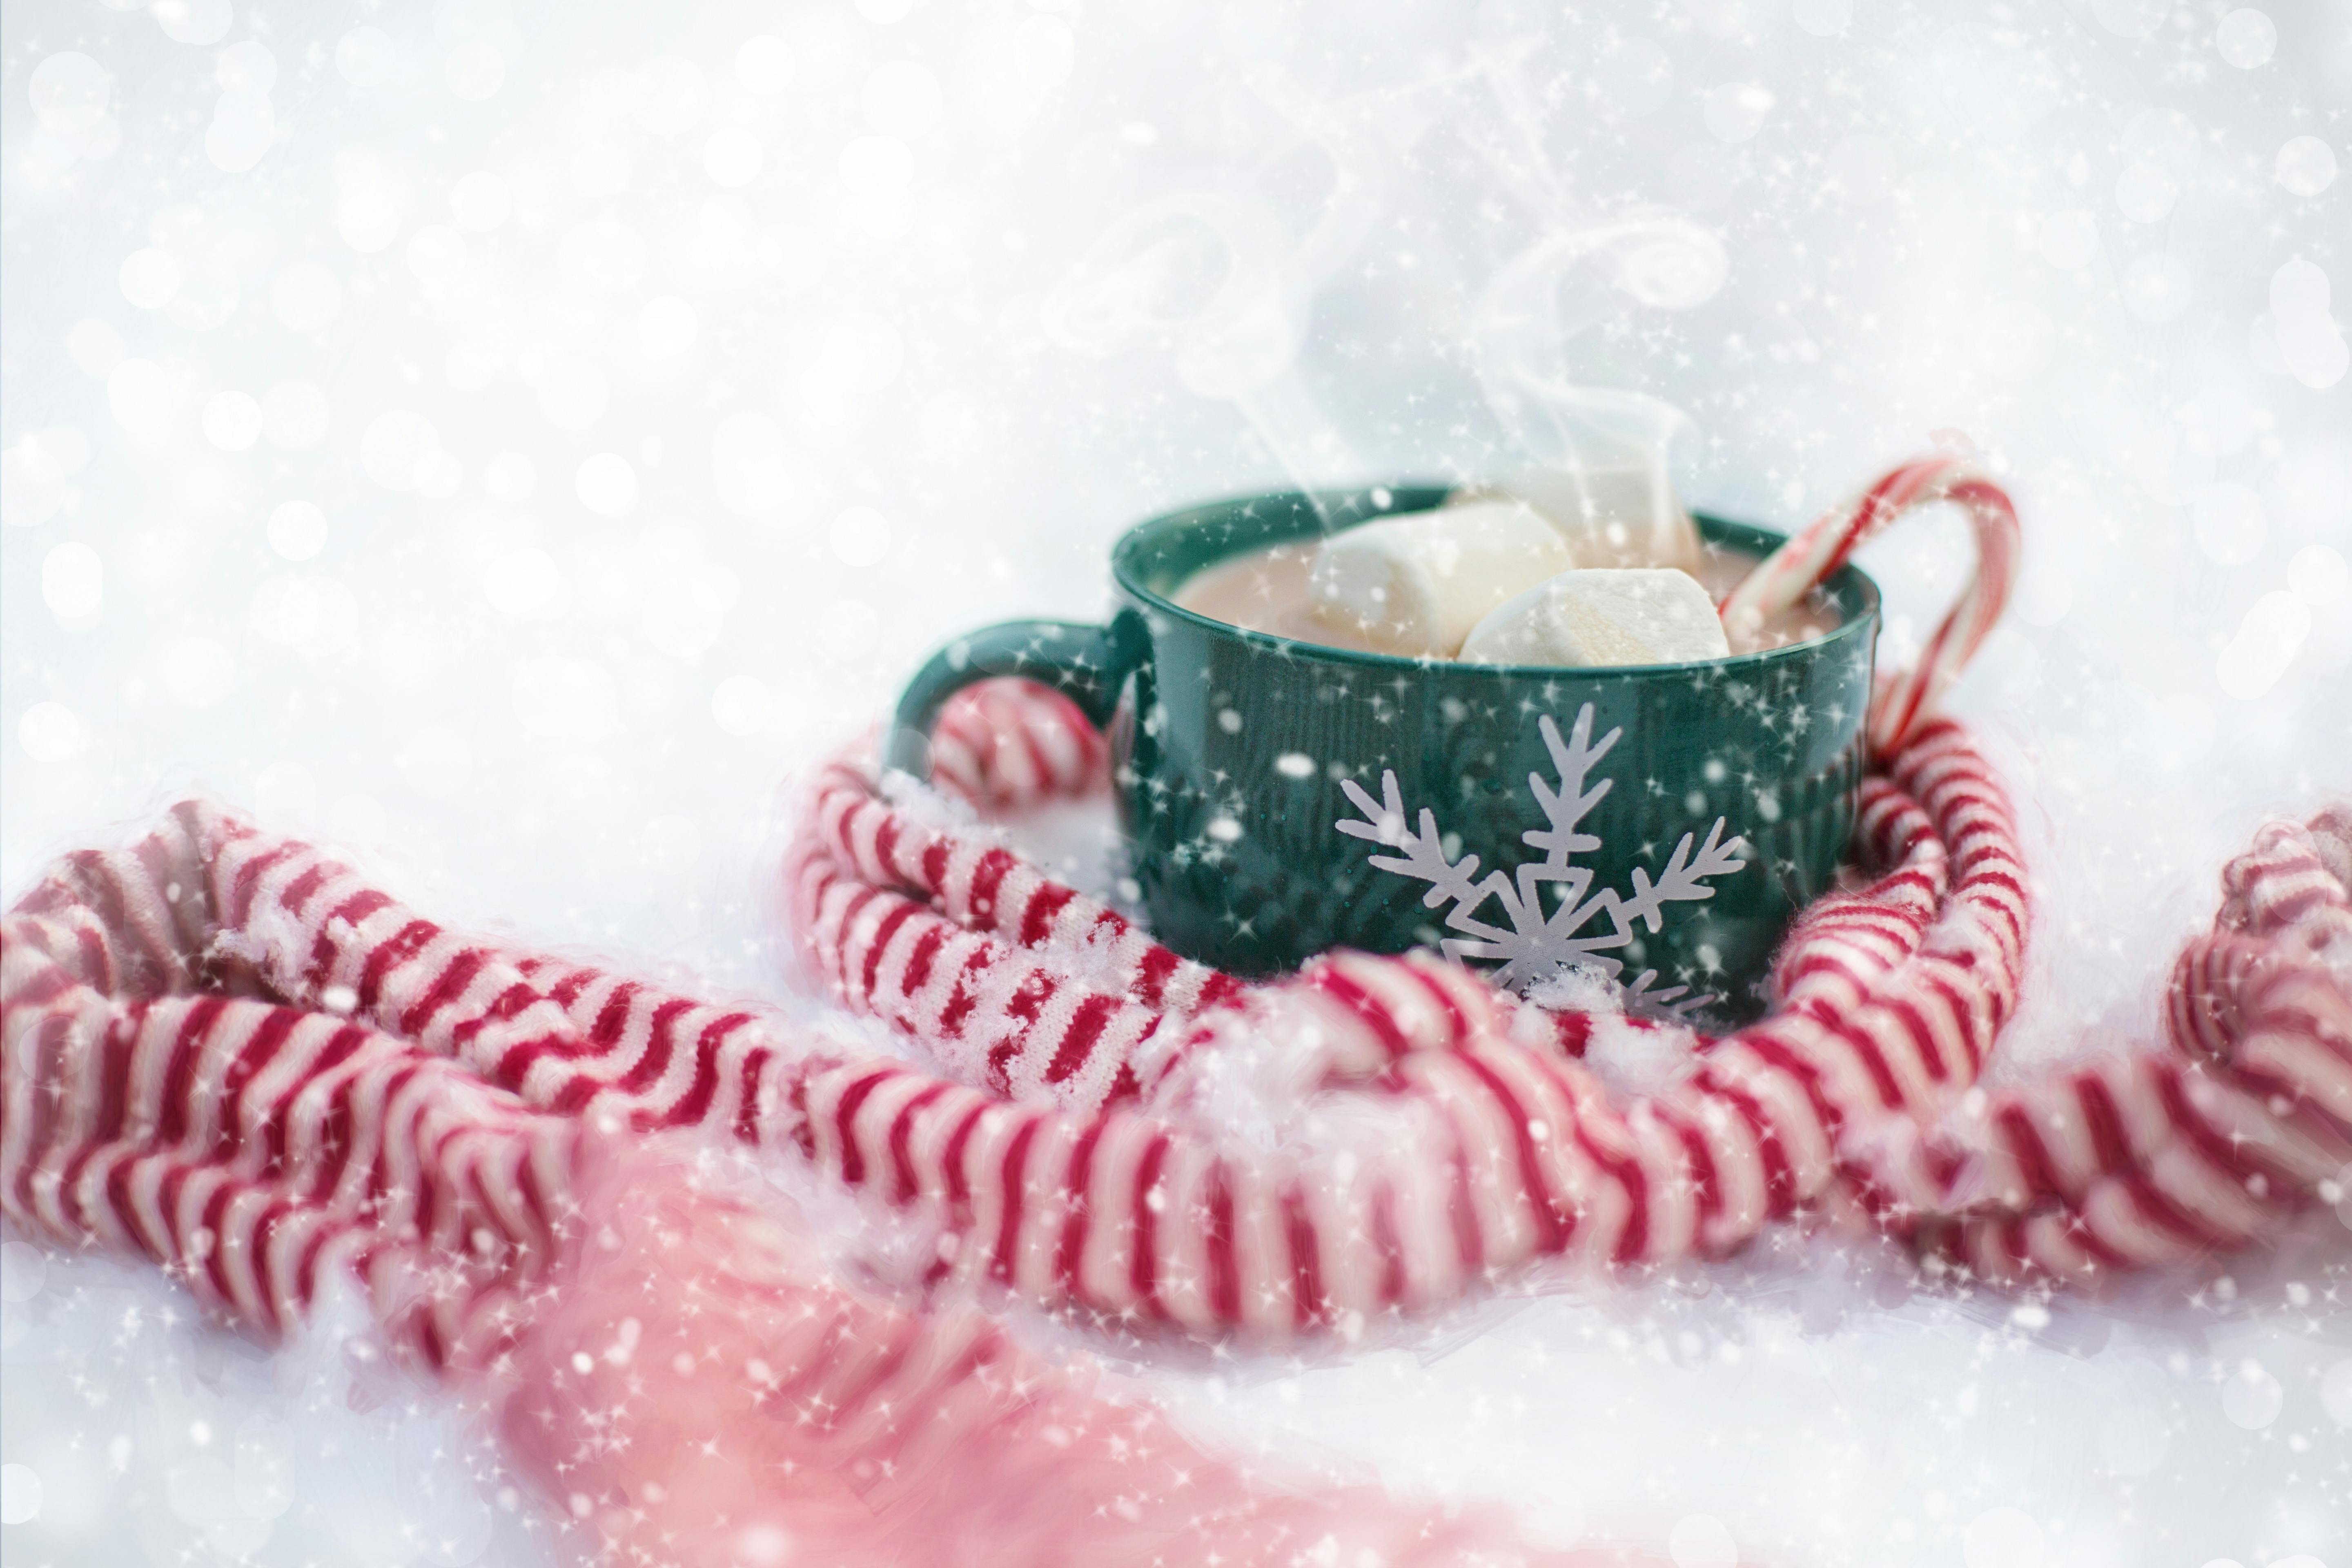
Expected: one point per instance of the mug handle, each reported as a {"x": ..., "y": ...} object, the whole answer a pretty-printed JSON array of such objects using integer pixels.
[{"x": 1071, "y": 657}]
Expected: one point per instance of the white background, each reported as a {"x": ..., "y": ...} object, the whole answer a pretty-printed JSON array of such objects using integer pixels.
[{"x": 509, "y": 439}]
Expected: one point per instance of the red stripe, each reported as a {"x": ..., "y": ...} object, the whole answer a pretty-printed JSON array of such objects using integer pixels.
[
  {"x": 119, "y": 1046},
  {"x": 886, "y": 842},
  {"x": 450, "y": 986},
  {"x": 1457, "y": 1028},
  {"x": 50, "y": 1045},
  {"x": 1143, "y": 1264},
  {"x": 1553, "y": 1221},
  {"x": 332, "y": 1054},
  {"x": 431, "y": 1179},
  {"x": 1866, "y": 1050},
  {"x": 902, "y": 1131},
  {"x": 97, "y": 967},
  {"x": 2197, "y": 1229},
  {"x": 1075, "y": 1181},
  {"x": 660, "y": 1044},
  {"x": 390, "y": 955},
  {"x": 567, "y": 991},
  {"x": 258, "y": 1052},
  {"x": 958, "y": 1186},
  {"x": 249, "y": 877},
  {"x": 512, "y": 1069},
  {"x": 612, "y": 1018},
  {"x": 1037, "y": 921},
  {"x": 901, "y": 910},
  {"x": 1923, "y": 1038},
  {"x": 1706, "y": 1183},
  {"x": 746, "y": 1102},
  {"x": 966, "y": 995},
  {"x": 865, "y": 894},
  {"x": 845, "y": 1112},
  {"x": 1573, "y": 1031},
  {"x": 696, "y": 1104},
  {"x": 1223, "y": 1260},
  {"x": 180, "y": 1070},
  {"x": 1152, "y": 974},
  {"x": 919, "y": 963},
  {"x": 216, "y": 1249},
  {"x": 1633, "y": 1241},
  {"x": 113, "y": 1105},
  {"x": 1779, "y": 1180},
  {"x": 335, "y": 1144},
  {"x": 349, "y": 913},
  {"x": 1086, "y": 1029},
  {"x": 306, "y": 1271},
  {"x": 1124, "y": 1084},
  {"x": 1015, "y": 1198},
  {"x": 803, "y": 1135},
  {"x": 986, "y": 878},
  {"x": 2026, "y": 1147},
  {"x": 119, "y": 1200},
  {"x": 265, "y": 1233},
  {"x": 505, "y": 1007},
  {"x": 298, "y": 891},
  {"x": 1307, "y": 1305},
  {"x": 1963, "y": 1017},
  {"x": 394, "y": 1121},
  {"x": 535, "y": 1197},
  {"x": 2109, "y": 1144},
  {"x": 2243, "y": 1163},
  {"x": 1374, "y": 1016},
  {"x": 574, "y": 1095},
  {"x": 1047, "y": 779},
  {"x": 1220, "y": 990}
]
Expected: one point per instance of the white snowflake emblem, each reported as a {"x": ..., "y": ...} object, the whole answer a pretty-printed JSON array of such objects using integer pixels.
[{"x": 1536, "y": 947}]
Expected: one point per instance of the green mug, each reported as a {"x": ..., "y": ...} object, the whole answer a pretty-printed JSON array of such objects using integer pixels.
[{"x": 1660, "y": 824}]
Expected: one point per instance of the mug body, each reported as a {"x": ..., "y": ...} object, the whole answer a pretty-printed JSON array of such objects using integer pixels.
[{"x": 1662, "y": 825}]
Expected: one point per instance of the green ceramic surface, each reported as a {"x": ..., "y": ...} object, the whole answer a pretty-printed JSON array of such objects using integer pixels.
[{"x": 1232, "y": 749}]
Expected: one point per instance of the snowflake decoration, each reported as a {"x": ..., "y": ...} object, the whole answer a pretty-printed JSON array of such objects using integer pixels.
[{"x": 1535, "y": 947}]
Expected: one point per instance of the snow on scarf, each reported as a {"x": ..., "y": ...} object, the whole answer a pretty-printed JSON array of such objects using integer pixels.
[{"x": 230, "y": 1052}]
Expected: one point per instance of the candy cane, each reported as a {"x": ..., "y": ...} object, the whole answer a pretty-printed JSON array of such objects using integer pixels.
[{"x": 1809, "y": 558}]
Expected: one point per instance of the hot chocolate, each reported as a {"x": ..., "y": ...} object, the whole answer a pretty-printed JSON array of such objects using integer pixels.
[{"x": 1267, "y": 591}]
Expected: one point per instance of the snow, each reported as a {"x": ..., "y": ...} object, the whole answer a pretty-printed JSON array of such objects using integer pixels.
[{"x": 329, "y": 334}]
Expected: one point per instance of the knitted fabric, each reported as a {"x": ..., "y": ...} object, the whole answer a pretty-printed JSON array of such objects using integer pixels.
[
  {"x": 1066, "y": 1139},
  {"x": 232, "y": 1053},
  {"x": 229, "y": 1051}
]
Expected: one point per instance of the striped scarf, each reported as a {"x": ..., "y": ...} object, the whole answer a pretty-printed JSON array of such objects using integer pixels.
[{"x": 233, "y": 1053}]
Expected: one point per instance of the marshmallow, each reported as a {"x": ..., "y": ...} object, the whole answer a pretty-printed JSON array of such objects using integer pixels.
[
  {"x": 1603, "y": 616},
  {"x": 1416, "y": 584},
  {"x": 1619, "y": 512}
]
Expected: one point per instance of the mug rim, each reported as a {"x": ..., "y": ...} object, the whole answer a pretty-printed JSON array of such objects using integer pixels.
[{"x": 1848, "y": 578}]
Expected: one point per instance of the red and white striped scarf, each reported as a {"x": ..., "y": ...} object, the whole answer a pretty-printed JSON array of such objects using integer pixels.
[{"x": 232, "y": 1053}]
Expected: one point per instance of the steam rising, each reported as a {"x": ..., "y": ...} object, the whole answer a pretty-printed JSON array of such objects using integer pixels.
[{"x": 1225, "y": 284}]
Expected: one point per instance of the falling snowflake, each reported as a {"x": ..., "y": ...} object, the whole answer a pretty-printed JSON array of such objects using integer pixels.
[{"x": 1535, "y": 947}]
